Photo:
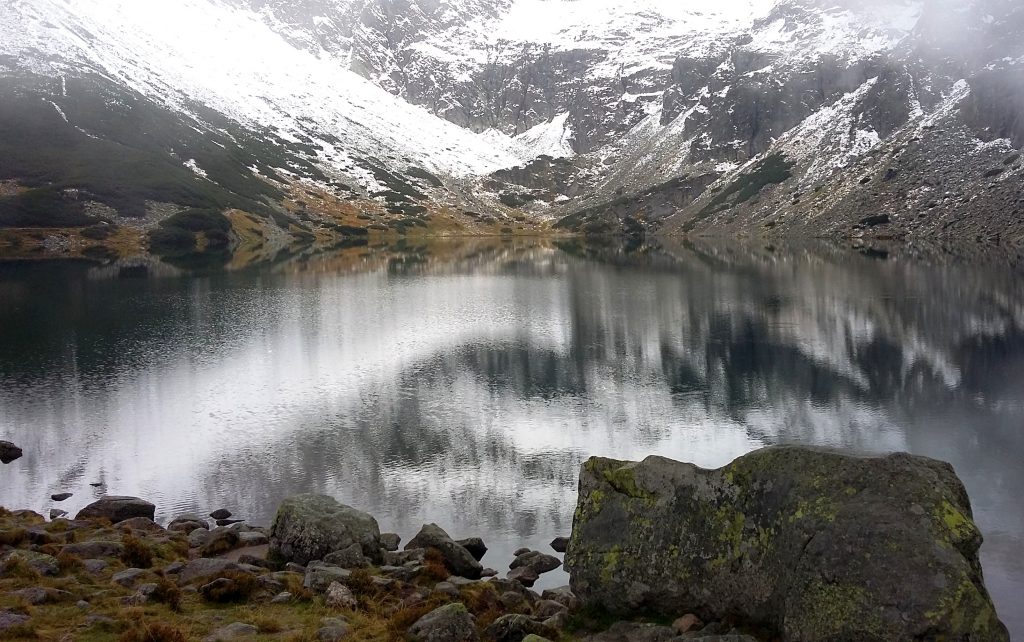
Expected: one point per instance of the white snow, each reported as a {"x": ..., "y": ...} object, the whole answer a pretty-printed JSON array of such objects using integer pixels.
[
  {"x": 194, "y": 166},
  {"x": 181, "y": 50}
]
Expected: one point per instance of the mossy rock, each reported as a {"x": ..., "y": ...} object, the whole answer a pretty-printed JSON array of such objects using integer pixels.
[
  {"x": 806, "y": 543},
  {"x": 310, "y": 527}
]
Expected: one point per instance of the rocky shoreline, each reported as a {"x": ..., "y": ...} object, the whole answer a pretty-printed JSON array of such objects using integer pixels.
[{"x": 782, "y": 544}]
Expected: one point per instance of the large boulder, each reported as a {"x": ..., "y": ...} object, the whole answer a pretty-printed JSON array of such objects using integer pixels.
[
  {"x": 810, "y": 544},
  {"x": 458, "y": 560},
  {"x": 449, "y": 623},
  {"x": 310, "y": 527},
  {"x": 117, "y": 509}
]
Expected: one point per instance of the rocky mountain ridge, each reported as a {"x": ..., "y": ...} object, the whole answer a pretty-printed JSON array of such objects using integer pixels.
[{"x": 497, "y": 116}]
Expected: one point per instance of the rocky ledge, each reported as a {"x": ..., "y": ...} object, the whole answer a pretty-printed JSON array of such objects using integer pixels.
[{"x": 784, "y": 544}]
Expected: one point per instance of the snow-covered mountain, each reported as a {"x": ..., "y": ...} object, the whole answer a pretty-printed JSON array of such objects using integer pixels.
[{"x": 753, "y": 116}]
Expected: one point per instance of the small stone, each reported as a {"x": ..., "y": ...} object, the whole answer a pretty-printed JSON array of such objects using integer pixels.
[
  {"x": 218, "y": 542},
  {"x": 40, "y": 562},
  {"x": 447, "y": 588},
  {"x": 488, "y": 572},
  {"x": 174, "y": 568},
  {"x": 56, "y": 513},
  {"x": 449, "y": 623},
  {"x": 127, "y": 577},
  {"x": 560, "y": 544},
  {"x": 539, "y": 562},
  {"x": 320, "y": 577},
  {"x": 94, "y": 549},
  {"x": 9, "y": 452},
  {"x": 349, "y": 557},
  {"x": 221, "y": 513},
  {"x": 83, "y": 605},
  {"x": 390, "y": 541},
  {"x": 284, "y": 597},
  {"x": 564, "y": 596},
  {"x": 513, "y": 601},
  {"x": 95, "y": 566},
  {"x": 140, "y": 524},
  {"x": 59, "y": 497},
  {"x": 9, "y": 620},
  {"x": 232, "y": 632},
  {"x": 687, "y": 623},
  {"x": 524, "y": 575},
  {"x": 333, "y": 633},
  {"x": 548, "y": 608},
  {"x": 292, "y": 567},
  {"x": 339, "y": 596},
  {"x": 520, "y": 551},
  {"x": 229, "y": 522},
  {"x": 514, "y": 627},
  {"x": 459, "y": 560},
  {"x": 252, "y": 538},
  {"x": 252, "y": 560},
  {"x": 203, "y": 568},
  {"x": 475, "y": 546},
  {"x": 187, "y": 524}
]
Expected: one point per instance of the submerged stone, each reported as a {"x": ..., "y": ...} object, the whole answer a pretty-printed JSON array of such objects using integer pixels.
[{"x": 810, "y": 544}]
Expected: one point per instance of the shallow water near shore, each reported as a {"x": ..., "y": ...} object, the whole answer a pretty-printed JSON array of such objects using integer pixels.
[{"x": 463, "y": 383}]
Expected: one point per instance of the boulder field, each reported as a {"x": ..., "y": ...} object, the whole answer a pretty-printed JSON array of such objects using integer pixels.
[
  {"x": 782, "y": 545},
  {"x": 802, "y": 544}
]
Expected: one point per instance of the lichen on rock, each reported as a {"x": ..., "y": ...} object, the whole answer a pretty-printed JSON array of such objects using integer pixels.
[{"x": 807, "y": 543}]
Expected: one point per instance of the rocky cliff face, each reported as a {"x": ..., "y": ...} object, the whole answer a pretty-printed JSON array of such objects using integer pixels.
[{"x": 648, "y": 116}]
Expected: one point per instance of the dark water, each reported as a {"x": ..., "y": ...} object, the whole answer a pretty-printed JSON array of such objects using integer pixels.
[{"x": 465, "y": 384}]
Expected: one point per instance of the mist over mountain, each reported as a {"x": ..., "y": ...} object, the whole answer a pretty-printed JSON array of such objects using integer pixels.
[{"x": 885, "y": 119}]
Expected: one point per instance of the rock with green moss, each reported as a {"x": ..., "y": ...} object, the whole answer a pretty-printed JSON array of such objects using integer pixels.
[
  {"x": 311, "y": 527},
  {"x": 806, "y": 543}
]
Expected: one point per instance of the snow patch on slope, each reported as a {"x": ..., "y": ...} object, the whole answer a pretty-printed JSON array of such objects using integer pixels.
[{"x": 179, "y": 51}]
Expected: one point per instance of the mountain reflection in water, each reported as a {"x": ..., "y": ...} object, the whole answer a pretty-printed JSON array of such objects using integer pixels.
[{"x": 464, "y": 383}]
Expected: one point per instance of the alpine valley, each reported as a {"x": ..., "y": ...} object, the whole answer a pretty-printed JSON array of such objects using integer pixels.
[{"x": 267, "y": 124}]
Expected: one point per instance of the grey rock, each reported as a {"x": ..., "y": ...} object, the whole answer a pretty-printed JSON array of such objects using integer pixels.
[
  {"x": 547, "y": 608},
  {"x": 221, "y": 513},
  {"x": 320, "y": 577},
  {"x": 219, "y": 541},
  {"x": 292, "y": 567},
  {"x": 447, "y": 588},
  {"x": 559, "y": 544},
  {"x": 233, "y": 631},
  {"x": 524, "y": 575},
  {"x": 38, "y": 595},
  {"x": 60, "y": 497},
  {"x": 174, "y": 568},
  {"x": 488, "y": 572},
  {"x": 458, "y": 560},
  {"x": 117, "y": 509},
  {"x": 252, "y": 538},
  {"x": 204, "y": 568},
  {"x": 339, "y": 596},
  {"x": 513, "y": 601},
  {"x": 400, "y": 558},
  {"x": 520, "y": 551},
  {"x": 390, "y": 541},
  {"x": 475, "y": 546},
  {"x": 782, "y": 535},
  {"x": 403, "y": 573},
  {"x": 539, "y": 562},
  {"x": 252, "y": 560},
  {"x": 449, "y": 623},
  {"x": 514, "y": 627},
  {"x": 94, "y": 549},
  {"x": 198, "y": 537},
  {"x": 187, "y": 524},
  {"x": 9, "y": 452},
  {"x": 284, "y": 597},
  {"x": 351, "y": 557},
  {"x": 310, "y": 527},
  {"x": 140, "y": 524},
  {"x": 56, "y": 512},
  {"x": 564, "y": 596},
  {"x": 9, "y": 620},
  {"x": 333, "y": 633},
  {"x": 40, "y": 562},
  {"x": 127, "y": 577},
  {"x": 95, "y": 566}
]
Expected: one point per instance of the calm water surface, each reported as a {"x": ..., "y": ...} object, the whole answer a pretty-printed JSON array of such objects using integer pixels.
[{"x": 465, "y": 384}]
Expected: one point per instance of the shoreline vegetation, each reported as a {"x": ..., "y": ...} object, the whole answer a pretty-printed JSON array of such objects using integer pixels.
[{"x": 785, "y": 543}]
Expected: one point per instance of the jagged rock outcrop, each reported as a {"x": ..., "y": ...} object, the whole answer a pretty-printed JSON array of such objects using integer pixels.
[{"x": 810, "y": 544}]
